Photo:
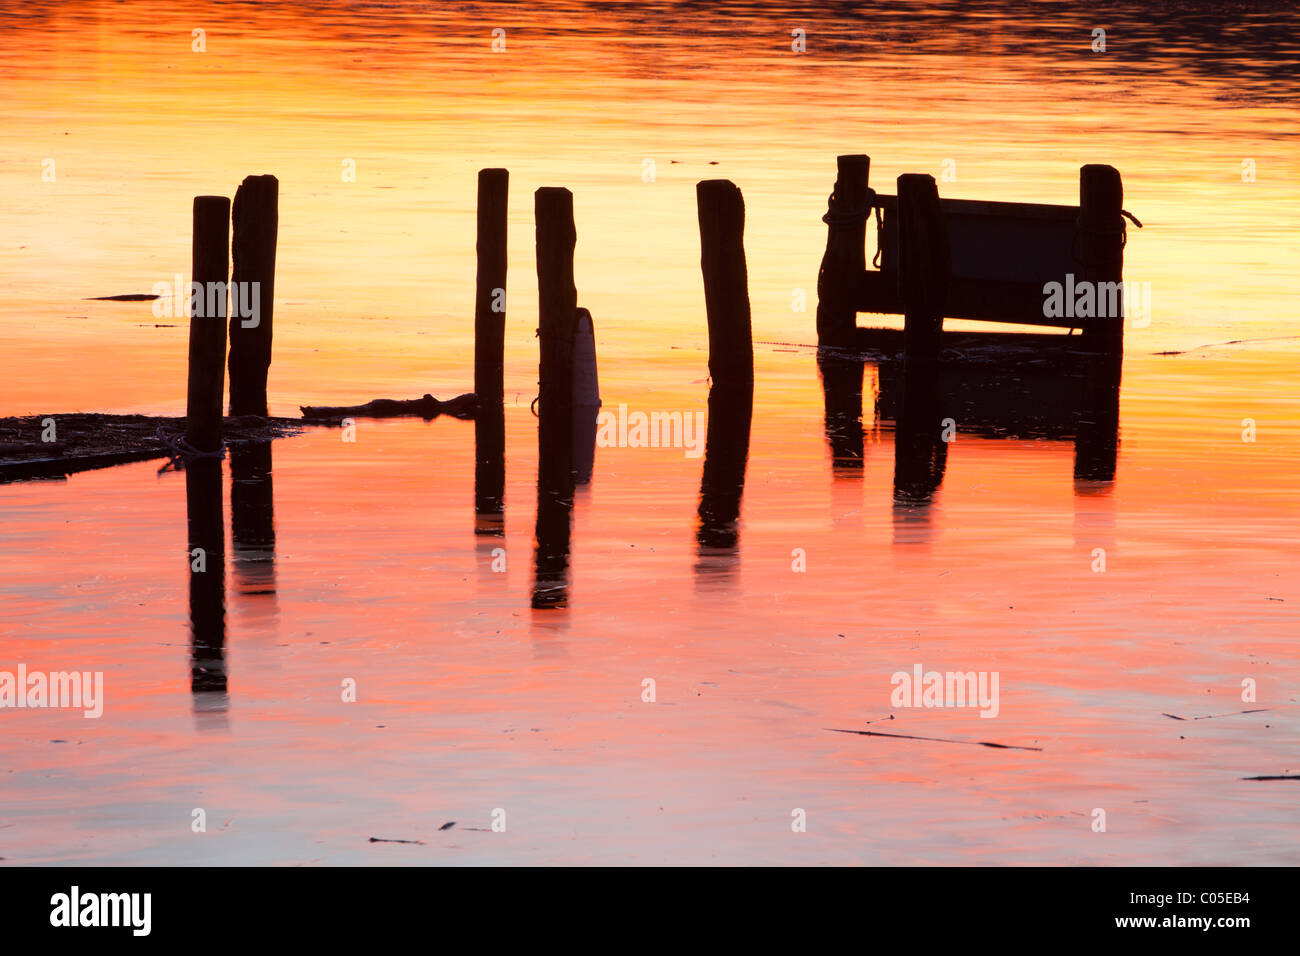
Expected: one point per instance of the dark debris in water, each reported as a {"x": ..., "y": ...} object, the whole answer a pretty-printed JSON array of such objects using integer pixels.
[{"x": 85, "y": 441}]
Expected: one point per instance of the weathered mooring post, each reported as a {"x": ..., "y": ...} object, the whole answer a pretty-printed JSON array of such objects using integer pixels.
[
  {"x": 1100, "y": 245},
  {"x": 209, "y": 272},
  {"x": 726, "y": 283},
  {"x": 490, "y": 286},
  {"x": 731, "y": 367},
  {"x": 256, "y": 226},
  {"x": 845, "y": 257},
  {"x": 489, "y": 353},
  {"x": 924, "y": 265},
  {"x": 558, "y": 305}
]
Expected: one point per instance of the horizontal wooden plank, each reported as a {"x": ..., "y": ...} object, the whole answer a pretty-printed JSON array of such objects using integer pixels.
[
  {"x": 987, "y": 300},
  {"x": 991, "y": 240},
  {"x": 984, "y": 207}
]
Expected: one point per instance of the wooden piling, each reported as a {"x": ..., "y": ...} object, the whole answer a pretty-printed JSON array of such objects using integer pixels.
[
  {"x": 558, "y": 308},
  {"x": 489, "y": 353},
  {"x": 209, "y": 265},
  {"x": 256, "y": 226},
  {"x": 1100, "y": 250},
  {"x": 924, "y": 265},
  {"x": 557, "y": 330},
  {"x": 489, "y": 303},
  {"x": 845, "y": 258},
  {"x": 726, "y": 282}
]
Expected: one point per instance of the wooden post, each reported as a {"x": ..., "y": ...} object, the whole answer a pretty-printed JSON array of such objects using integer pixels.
[
  {"x": 1100, "y": 246},
  {"x": 845, "y": 257},
  {"x": 489, "y": 354},
  {"x": 558, "y": 304},
  {"x": 490, "y": 287},
  {"x": 257, "y": 223},
  {"x": 726, "y": 283},
  {"x": 924, "y": 265},
  {"x": 210, "y": 262}
]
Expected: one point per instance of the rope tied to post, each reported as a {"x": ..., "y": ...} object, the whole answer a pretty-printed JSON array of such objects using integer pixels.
[
  {"x": 1121, "y": 230},
  {"x": 839, "y": 217},
  {"x": 179, "y": 451}
]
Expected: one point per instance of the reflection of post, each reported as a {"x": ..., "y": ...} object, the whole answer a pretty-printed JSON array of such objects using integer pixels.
[
  {"x": 842, "y": 387},
  {"x": 489, "y": 469},
  {"x": 557, "y": 303},
  {"x": 920, "y": 452},
  {"x": 1096, "y": 444},
  {"x": 726, "y": 453},
  {"x": 207, "y": 560},
  {"x": 252, "y": 518}
]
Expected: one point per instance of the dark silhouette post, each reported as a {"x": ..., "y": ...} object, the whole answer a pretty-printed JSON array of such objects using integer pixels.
[
  {"x": 845, "y": 258},
  {"x": 210, "y": 271},
  {"x": 490, "y": 286},
  {"x": 489, "y": 354},
  {"x": 557, "y": 302},
  {"x": 726, "y": 283},
  {"x": 1100, "y": 250},
  {"x": 257, "y": 223},
  {"x": 924, "y": 265},
  {"x": 207, "y": 562}
]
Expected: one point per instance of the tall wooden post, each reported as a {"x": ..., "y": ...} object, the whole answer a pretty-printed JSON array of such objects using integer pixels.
[
  {"x": 210, "y": 272},
  {"x": 924, "y": 265},
  {"x": 489, "y": 353},
  {"x": 726, "y": 282},
  {"x": 558, "y": 304},
  {"x": 1100, "y": 245},
  {"x": 490, "y": 286},
  {"x": 257, "y": 224},
  {"x": 845, "y": 256}
]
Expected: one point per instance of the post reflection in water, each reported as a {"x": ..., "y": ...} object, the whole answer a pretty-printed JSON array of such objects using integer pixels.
[
  {"x": 252, "y": 522},
  {"x": 1096, "y": 443},
  {"x": 489, "y": 469},
  {"x": 726, "y": 455},
  {"x": 842, "y": 387},
  {"x": 555, "y": 486},
  {"x": 920, "y": 453},
  {"x": 207, "y": 560}
]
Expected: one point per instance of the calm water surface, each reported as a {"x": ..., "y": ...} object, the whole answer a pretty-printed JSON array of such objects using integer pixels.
[{"x": 468, "y": 700}]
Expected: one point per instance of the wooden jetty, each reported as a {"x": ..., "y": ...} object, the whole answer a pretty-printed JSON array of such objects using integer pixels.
[{"x": 967, "y": 259}]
